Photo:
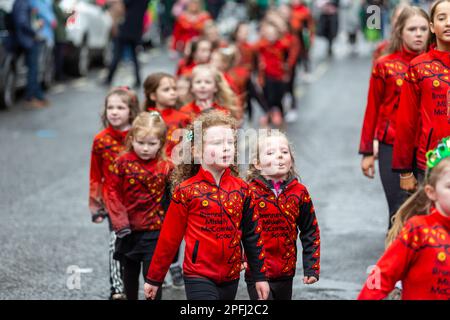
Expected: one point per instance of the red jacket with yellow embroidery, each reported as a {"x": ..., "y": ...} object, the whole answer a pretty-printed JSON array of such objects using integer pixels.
[
  {"x": 174, "y": 119},
  {"x": 214, "y": 220},
  {"x": 138, "y": 193},
  {"x": 107, "y": 145},
  {"x": 186, "y": 28},
  {"x": 423, "y": 111},
  {"x": 193, "y": 110},
  {"x": 419, "y": 257},
  {"x": 281, "y": 218},
  {"x": 385, "y": 86}
]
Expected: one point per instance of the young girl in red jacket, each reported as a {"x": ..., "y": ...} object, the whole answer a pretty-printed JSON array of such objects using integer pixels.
[
  {"x": 284, "y": 208},
  {"x": 121, "y": 107},
  {"x": 161, "y": 95},
  {"x": 138, "y": 198},
  {"x": 189, "y": 24},
  {"x": 419, "y": 241},
  {"x": 209, "y": 208},
  {"x": 210, "y": 91},
  {"x": 409, "y": 39},
  {"x": 423, "y": 117},
  {"x": 199, "y": 52}
]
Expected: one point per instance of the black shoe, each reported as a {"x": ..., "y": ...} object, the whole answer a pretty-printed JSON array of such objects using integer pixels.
[{"x": 177, "y": 277}]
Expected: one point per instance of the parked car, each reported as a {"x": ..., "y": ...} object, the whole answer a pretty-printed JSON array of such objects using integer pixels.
[
  {"x": 13, "y": 70},
  {"x": 89, "y": 34}
]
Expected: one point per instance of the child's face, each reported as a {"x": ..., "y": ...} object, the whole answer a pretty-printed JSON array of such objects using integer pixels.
[
  {"x": 204, "y": 86},
  {"x": 117, "y": 112},
  {"x": 270, "y": 32},
  {"x": 194, "y": 6},
  {"x": 203, "y": 52},
  {"x": 182, "y": 87},
  {"x": 166, "y": 93},
  {"x": 275, "y": 160},
  {"x": 218, "y": 147},
  {"x": 242, "y": 34},
  {"x": 440, "y": 195},
  {"x": 441, "y": 22},
  {"x": 146, "y": 147},
  {"x": 217, "y": 61},
  {"x": 415, "y": 33}
]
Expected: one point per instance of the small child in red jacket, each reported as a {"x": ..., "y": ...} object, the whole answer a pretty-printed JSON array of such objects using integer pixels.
[
  {"x": 209, "y": 208},
  {"x": 419, "y": 240},
  {"x": 121, "y": 107},
  {"x": 284, "y": 208},
  {"x": 138, "y": 198}
]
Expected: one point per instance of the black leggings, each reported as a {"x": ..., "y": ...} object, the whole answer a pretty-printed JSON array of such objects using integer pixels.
[
  {"x": 274, "y": 92},
  {"x": 131, "y": 271},
  {"x": 253, "y": 92},
  {"x": 279, "y": 290},
  {"x": 390, "y": 180},
  {"x": 119, "y": 48},
  {"x": 205, "y": 289}
]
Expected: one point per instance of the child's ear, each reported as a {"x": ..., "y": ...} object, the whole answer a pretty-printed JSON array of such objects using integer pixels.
[
  {"x": 152, "y": 96},
  {"x": 430, "y": 192},
  {"x": 257, "y": 165}
]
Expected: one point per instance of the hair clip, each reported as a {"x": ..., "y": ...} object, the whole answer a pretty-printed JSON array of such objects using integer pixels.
[
  {"x": 190, "y": 135},
  {"x": 126, "y": 88},
  {"x": 154, "y": 113},
  {"x": 441, "y": 152}
]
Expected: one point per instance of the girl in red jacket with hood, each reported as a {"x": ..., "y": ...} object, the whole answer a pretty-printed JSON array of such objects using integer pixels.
[
  {"x": 409, "y": 39},
  {"x": 210, "y": 209},
  {"x": 121, "y": 107},
  {"x": 423, "y": 117},
  {"x": 284, "y": 208},
  {"x": 418, "y": 244},
  {"x": 138, "y": 197}
]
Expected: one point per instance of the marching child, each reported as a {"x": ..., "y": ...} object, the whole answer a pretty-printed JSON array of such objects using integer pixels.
[
  {"x": 138, "y": 198},
  {"x": 121, "y": 107},
  {"x": 418, "y": 243},
  {"x": 284, "y": 208},
  {"x": 198, "y": 52},
  {"x": 209, "y": 208}
]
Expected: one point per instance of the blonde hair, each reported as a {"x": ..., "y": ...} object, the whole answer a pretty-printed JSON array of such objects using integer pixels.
[
  {"x": 418, "y": 203},
  {"x": 252, "y": 171},
  {"x": 129, "y": 97},
  {"x": 148, "y": 123},
  {"x": 224, "y": 96},
  {"x": 407, "y": 12},
  {"x": 209, "y": 119}
]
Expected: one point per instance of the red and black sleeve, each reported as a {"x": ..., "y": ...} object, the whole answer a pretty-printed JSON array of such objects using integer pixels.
[
  {"x": 309, "y": 236},
  {"x": 116, "y": 208},
  {"x": 95, "y": 182}
]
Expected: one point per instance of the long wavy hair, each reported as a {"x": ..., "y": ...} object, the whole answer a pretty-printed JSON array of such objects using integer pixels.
[
  {"x": 418, "y": 203},
  {"x": 207, "y": 120}
]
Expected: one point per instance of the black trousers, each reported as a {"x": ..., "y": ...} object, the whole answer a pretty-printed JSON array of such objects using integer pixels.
[
  {"x": 253, "y": 92},
  {"x": 273, "y": 92},
  {"x": 279, "y": 290},
  {"x": 205, "y": 289},
  {"x": 119, "y": 48},
  {"x": 390, "y": 180},
  {"x": 131, "y": 272}
]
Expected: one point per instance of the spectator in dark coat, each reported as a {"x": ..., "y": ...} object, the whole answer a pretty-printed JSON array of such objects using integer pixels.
[{"x": 130, "y": 33}]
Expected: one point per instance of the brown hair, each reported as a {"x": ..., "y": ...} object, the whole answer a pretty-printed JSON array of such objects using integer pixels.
[
  {"x": 418, "y": 203},
  {"x": 148, "y": 123},
  {"x": 252, "y": 172},
  {"x": 193, "y": 47},
  {"x": 151, "y": 84},
  {"x": 432, "y": 14},
  {"x": 208, "y": 119},
  {"x": 224, "y": 96},
  {"x": 407, "y": 12},
  {"x": 228, "y": 55},
  {"x": 129, "y": 97}
]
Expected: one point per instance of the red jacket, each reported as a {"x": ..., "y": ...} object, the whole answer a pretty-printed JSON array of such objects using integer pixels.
[
  {"x": 214, "y": 220},
  {"x": 193, "y": 110},
  {"x": 246, "y": 55},
  {"x": 138, "y": 193},
  {"x": 281, "y": 218},
  {"x": 419, "y": 257},
  {"x": 387, "y": 79},
  {"x": 107, "y": 145},
  {"x": 276, "y": 60},
  {"x": 174, "y": 119},
  {"x": 184, "y": 69},
  {"x": 423, "y": 110},
  {"x": 185, "y": 29},
  {"x": 301, "y": 17}
]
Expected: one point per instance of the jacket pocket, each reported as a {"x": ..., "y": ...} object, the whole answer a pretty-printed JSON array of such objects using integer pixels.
[
  {"x": 385, "y": 131},
  {"x": 195, "y": 252},
  {"x": 430, "y": 134}
]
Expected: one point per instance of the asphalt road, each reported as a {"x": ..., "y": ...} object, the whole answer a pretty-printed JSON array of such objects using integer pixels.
[{"x": 45, "y": 224}]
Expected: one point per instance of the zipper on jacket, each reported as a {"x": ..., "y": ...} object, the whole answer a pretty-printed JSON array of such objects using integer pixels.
[
  {"x": 195, "y": 252},
  {"x": 385, "y": 130},
  {"x": 429, "y": 140}
]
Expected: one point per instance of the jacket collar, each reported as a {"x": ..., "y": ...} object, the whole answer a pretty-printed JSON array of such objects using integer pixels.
[
  {"x": 269, "y": 183},
  {"x": 116, "y": 134},
  {"x": 408, "y": 55},
  {"x": 443, "y": 220},
  {"x": 443, "y": 56},
  {"x": 205, "y": 175}
]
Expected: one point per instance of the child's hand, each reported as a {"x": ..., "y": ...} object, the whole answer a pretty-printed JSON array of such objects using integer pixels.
[
  {"x": 263, "y": 290},
  {"x": 309, "y": 280},
  {"x": 244, "y": 265},
  {"x": 150, "y": 291},
  {"x": 368, "y": 166},
  {"x": 99, "y": 220},
  {"x": 408, "y": 182}
]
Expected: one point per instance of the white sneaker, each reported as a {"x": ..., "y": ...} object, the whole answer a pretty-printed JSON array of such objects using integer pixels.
[{"x": 291, "y": 116}]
